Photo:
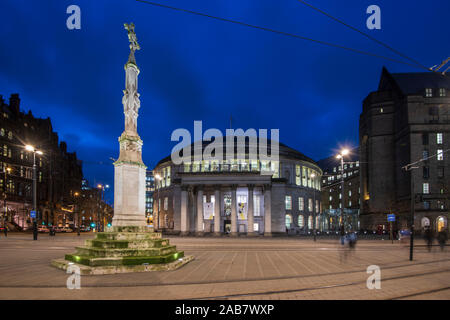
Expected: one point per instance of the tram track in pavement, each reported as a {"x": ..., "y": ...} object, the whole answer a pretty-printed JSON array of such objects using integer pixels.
[
  {"x": 229, "y": 281},
  {"x": 347, "y": 284}
]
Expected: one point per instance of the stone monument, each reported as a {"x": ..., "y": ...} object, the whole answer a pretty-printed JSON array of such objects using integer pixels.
[{"x": 129, "y": 245}]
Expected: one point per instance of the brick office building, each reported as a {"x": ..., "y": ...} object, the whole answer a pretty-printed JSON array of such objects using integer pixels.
[
  {"x": 407, "y": 119},
  {"x": 331, "y": 192},
  {"x": 59, "y": 172}
]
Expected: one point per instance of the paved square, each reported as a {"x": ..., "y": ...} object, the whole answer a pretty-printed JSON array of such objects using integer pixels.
[{"x": 228, "y": 268}]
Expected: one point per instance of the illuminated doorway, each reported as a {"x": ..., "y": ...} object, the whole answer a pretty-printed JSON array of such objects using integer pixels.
[{"x": 441, "y": 223}]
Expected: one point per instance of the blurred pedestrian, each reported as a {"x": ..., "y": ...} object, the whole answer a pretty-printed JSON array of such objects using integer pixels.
[
  {"x": 352, "y": 240},
  {"x": 5, "y": 230},
  {"x": 442, "y": 239},
  {"x": 428, "y": 235},
  {"x": 342, "y": 234}
]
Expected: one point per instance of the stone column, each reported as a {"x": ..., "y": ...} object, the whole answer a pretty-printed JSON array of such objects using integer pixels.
[
  {"x": 217, "y": 202},
  {"x": 184, "y": 211},
  {"x": 233, "y": 211},
  {"x": 267, "y": 211},
  {"x": 199, "y": 229},
  {"x": 250, "y": 211}
]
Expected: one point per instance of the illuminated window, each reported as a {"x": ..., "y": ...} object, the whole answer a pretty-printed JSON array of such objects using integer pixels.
[
  {"x": 426, "y": 188},
  {"x": 288, "y": 221},
  {"x": 439, "y": 138},
  {"x": 440, "y": 155},
  {"x": 297, "y": 175},
  {"x": 256, "y": 227},
  {"x": 275, "y": 167},
  {"x": 310, "y": 222},
  {"x": 166, "y": 203},
  {"x": 10, "y": 135},
  {"x": 301, "y": 204},
  {"x": 288, "y": 202},
  {"x": 2, "y": 132},
  {"x": 310, "y": 205},
  {"x": 442, "y": 92},
  {"x": 428, "y": 92},
  {"x": 301, "y": 221}
]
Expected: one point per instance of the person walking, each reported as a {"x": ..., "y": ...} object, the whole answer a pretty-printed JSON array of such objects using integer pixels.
[
  {"x": 442, "y": 239},
  {"x": 342, "y": 234},
  {"x": 5, "y": 230},
  {"x": 428, "y": 237}
]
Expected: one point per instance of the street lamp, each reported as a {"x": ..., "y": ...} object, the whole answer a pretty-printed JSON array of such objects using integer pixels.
[
  {"x": 76, "y": 209},
  {"x": 33, "y": 149},
  {"x": 340, "y": 156},
  {"x": 102, "y": 188},
  {"x": 158, "y": 178}
]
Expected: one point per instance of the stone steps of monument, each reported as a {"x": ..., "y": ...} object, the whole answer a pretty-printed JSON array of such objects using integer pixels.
[
  {"x": 128, "y": 235},
  {"x": 113, "y": 252},
  {"x": 138, "y": 229},
  {"x": 130, "y": 244},
  {"x": 118, "y": 261}
]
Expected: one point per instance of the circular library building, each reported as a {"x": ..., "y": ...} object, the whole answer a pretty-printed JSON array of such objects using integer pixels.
[{"x": 240, "y": 195}]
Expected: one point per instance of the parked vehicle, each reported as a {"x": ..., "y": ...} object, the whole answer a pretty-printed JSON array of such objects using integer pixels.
[{"x": 67, "y": 229}]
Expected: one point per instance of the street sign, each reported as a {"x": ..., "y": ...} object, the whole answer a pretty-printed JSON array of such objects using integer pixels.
[
  {"x": 33, "y": 214},
  {"x": 391, "y": 217}
]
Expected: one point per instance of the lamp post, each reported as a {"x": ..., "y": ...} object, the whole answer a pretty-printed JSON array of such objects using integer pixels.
[
  {"x": 340, "y": 156},
  {"x": 76, "y": 209},
  {"x": 413, "y": 196},
  {"x": 32, "y": 149},
  {"x": 158, "y": 178},
  {"x": 6, "y": 170},
  {"x": 102, "y": 188}
]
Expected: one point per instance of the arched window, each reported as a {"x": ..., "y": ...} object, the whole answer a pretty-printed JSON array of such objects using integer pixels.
[
  {"x": 425, "y": 222},
  {"x": 288, "y": 221},
  {"x": 310, "y": 222},
  {"x": 301, "y": 221}
]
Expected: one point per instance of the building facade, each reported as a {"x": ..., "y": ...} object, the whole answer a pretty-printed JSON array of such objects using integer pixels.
[
  {"x": 59, "y": 172},
  {"x": 239, "y": 195},
  {"x": 331, "y": 217},
  {"x": 149, "y": 190},
  {"x": 407, "y": 120}
]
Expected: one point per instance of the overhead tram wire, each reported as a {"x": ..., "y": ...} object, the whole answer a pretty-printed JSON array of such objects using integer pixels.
[
  {"x": 279, "y": 32},
  {"x": 418, "y": 64}
]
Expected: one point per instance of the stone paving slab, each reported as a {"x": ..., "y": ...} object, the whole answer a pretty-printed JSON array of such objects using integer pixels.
[{"x": 239, "y": 268}]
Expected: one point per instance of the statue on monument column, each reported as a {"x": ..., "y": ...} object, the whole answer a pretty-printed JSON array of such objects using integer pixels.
[
  {"x": 134, "y": 45},
  {"x": 130, "y": 100}
]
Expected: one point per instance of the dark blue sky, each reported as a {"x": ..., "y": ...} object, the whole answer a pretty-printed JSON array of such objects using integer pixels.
[{"x": 196, "y": 68}]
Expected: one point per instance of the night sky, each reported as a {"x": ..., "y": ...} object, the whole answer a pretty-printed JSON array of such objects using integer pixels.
[{"x": 196, "y": 68}]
